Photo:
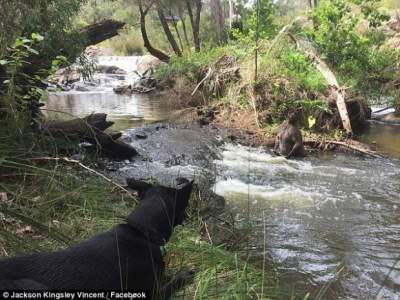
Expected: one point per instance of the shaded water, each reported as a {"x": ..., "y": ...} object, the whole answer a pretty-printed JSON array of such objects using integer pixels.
[
  {"x": 386, "y": 138},
  {"x": 329, "y": 224}
]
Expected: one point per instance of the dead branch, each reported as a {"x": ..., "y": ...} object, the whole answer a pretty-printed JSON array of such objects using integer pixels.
[{"x": 77, "y": 162}]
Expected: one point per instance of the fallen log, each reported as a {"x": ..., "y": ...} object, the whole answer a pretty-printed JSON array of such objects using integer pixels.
[
  {"x": 323, "y": 68},
  {"x": 101, "y": 31},
  {"x": 349, "y": 145},
  {"x": 90, "y": 129},
  {"x": 330, "y": 78}
]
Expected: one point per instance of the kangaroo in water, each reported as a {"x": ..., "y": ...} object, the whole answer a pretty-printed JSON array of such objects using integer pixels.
[{"x": 289, "y": 141}]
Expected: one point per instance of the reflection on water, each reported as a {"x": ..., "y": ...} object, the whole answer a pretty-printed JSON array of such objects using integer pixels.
[
  {"x": 386, "y": 138},
  {"x": 125, "y": 111},
  {"x": 330, "y": 223}
]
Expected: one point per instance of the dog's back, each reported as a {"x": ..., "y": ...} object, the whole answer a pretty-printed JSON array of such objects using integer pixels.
[
  {"x": 128, "y": 257},
  {"x": 116, "y": 260}
]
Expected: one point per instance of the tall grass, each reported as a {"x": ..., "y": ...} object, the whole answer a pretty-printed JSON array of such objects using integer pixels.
[{"x": 51, "y": 204}]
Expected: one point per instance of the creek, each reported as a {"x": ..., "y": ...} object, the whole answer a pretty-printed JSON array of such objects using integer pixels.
[{"x": 330, "y": 224}]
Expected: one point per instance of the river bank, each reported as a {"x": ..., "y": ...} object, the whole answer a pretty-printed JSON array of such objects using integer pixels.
[{"x": 261, "y": 225}]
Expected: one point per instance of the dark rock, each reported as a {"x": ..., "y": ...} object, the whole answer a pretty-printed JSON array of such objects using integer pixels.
[
  {"x": 80, "y": 87},
  {"x": 110, "y": 70},
  {"x": 123, "y": 89},
  {"x": 141, "y": 135}
]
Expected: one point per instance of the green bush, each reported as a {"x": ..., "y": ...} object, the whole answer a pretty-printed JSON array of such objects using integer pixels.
[
  {"x": 359, "y": 59},
  {"x": 191, "y": 65},
  {"x": 300, "y": 69},
  {"x": 266, "y": 23}
]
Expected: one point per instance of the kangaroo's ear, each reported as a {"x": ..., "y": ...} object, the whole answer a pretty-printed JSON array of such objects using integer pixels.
[{"x": 138, "y": 185}]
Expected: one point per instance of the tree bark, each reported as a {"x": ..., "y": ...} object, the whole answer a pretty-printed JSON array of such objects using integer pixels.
[
  {"x": 219, "y": 21},
  {"x": 182, "y": 18},
  {"x": 101, "y": 31},
  {"x": 155, "y": 52},
  {"x": 177, "y": 31},
  {"x": 167, "y": 31},
  {"x": 231, "y": 13},
  {"x": 312, "y": 3},
  {"x": 195, "y": 22}
]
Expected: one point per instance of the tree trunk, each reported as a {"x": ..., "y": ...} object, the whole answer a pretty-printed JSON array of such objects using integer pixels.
[
  {"x": 231, "y": 13},
  {"x": 167, "y": 31},
  {"x": 185, "y": 33},
  {"x": 195, "y": 22},
  {"x": 312, "y": 3},
  {"x": 155, "y": 52},
  {"x": 219, "y": 22},
  {"x": 90, "y": 129},
  {"x": 177, "y": 31},
  {"x": 182, "y": 18}
]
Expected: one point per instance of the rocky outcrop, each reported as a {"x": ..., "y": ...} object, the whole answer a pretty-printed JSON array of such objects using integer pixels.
[
  {"x": 147, "y": 62},
  {"x": 146, "y": 83},
  {"x": 66, "y": 76}
]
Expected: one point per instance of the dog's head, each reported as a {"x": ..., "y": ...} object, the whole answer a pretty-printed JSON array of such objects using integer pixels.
[{"x": 160, "y": 209}]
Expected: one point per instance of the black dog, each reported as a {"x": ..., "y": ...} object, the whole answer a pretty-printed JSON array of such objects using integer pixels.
[{"x": 128, "y": 257}]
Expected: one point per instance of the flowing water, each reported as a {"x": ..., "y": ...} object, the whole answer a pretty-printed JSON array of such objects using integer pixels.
[
  {"x": 330, "y": 224},
  {"x": 125, "y": 110},
  {"x": 327, "y": 223}
]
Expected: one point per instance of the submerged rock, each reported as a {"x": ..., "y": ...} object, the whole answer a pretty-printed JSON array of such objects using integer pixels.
[{"x": 110, "y": 70}]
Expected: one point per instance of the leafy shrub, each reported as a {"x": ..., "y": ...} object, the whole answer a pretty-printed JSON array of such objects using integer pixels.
[
  {"x": 359, "y": 59},
  {"x": 192, "y": 65},
  {"x": 266, "y": 14},
  {"x": 299, "y": 69},
  {"x": 20, "y": 91}
]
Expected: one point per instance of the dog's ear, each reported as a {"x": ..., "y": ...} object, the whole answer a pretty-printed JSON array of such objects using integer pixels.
[
  {"x": 138, "y": 185},
  {"x": 183, "y": 185},
  {"x": 183, "y": 189}
]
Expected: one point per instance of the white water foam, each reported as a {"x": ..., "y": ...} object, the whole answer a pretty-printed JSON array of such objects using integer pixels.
[{"x": 269, "y": 193}]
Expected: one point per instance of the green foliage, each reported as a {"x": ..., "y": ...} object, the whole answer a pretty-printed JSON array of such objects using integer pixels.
[
  {"x": 266, "y": 18},
  {"x": 267, "y": 23},
  {"x": 21, "y": 89},
  {"x": 300, "y": 69},
  {"x": 370, "y": 10},
  {"x": 16, "y": 98},
  {"x": 87, "y": 67},
  {"x": 191, "y": 65},
  {"x": 334, "y": 33},
  {"x": 310, "y": 107},
  {"x": 358, "y": 58},
  {"x": 50, "y": 19}
]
